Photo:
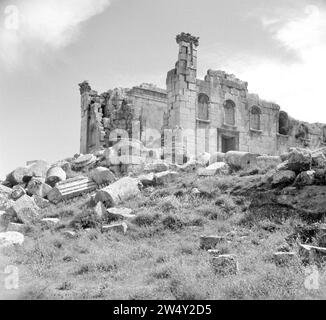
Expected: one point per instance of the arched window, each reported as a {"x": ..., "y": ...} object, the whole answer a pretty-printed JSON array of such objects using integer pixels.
[
  {"x": 283, "y": 123},
  {"x": 203, "y": 101},
  {"x": 255, "y": 118},
  {"x": 229, "y": 112}
]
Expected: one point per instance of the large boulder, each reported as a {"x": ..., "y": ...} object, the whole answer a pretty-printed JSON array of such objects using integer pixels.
[
  {"x": 5, "y": 198},
  {"x": 214, "y": 169},
  {"x": 26, "y": 209},
  {"x": 38, "y": 169},
  {"x": 17, "y": 176},
  {"x": 299, "y": 160},
  {"x": 55, "y": 175},
  {"x": 102, "y": 176},
  {"x": 305, "y": 178},
  {"x": 283, "y": 178},
  {"x": 119, "y": 191},
  {"x": 268, "y": 162},
  {"x": 238, "y": 160},
  {"x": 38, "y": 187},
  {"x": 217, "y": 157}
]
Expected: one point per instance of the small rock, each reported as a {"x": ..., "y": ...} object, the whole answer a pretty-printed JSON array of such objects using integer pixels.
[
  {"x": 214, "y": 169},
  {"x": 118, "y": 227},
  {"x": 17, "y": 192},
  {"x": 165, "y": 177},
  {"x": 50, "y": 221},
  {"x": 102, "y": 176},
  {"x": 120, "y": 213},
  {"x": 100, "y": 210},
  {"x": 195, "y": 192},
  {"x": 10, "y": 238},
  {"x": 70, "y": 234},
  {"x": 210, "y": 242},
  {"x": 305, "y": 178},
  {"x": 226, "y": 264}
]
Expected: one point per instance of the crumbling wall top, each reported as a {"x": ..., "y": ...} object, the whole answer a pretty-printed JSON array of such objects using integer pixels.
[{"x": 187, "y": 37}]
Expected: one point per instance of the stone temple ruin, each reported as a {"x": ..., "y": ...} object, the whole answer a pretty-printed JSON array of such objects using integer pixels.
[{"x": 192, "y": 115}]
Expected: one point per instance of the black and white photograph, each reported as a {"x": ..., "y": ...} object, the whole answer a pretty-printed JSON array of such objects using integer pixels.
[{"x": 155, "y": 151}]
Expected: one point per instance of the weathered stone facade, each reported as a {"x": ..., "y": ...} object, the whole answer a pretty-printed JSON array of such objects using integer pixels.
[{"x": 214, "y": 114}]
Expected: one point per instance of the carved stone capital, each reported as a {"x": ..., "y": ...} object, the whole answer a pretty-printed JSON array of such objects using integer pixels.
[
  {"x": 187, "y": 37},
  {"x": 84, "y": 87}
]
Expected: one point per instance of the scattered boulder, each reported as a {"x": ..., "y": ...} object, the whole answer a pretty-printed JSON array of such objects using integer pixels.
[
  {"x": 41, "y": 202},
  {"x": 217, "y": 157},
  {"x": 165, "y": 177},
  {"x": 238, "y": 160},
  {"x": 37, "y": 187},
  {"x": 214, "y": 169},
  {"x": 55, "y": 175},
  {"x": 118, "y": 227},
  {"x": 147, "y": 180},
  {"x": 318, "y": 159},
  {"x": 120, "y": 213},
  {"x": 203, "y": 159},
  {"x": 102, "y": 176},
  {"x": 299, "y": 160},
  {"x": 156, "y": 167},
  {"x": 26, "y": 209},
  {"x": 119, "y": 191},
  {"x": 17, "y": 192},
  {"x": 17, "y": 176},
  {"x": 305, "y": 178},
  {"x": 268, "y": 162},
  {"x": 283, "y": 178},
  {"x": 226, "y": 264},
  {"x": 210, "y": 242},
  {"x": 10, "y": 238}
]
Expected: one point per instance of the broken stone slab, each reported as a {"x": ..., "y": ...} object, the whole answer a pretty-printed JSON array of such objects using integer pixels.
[
  {"x": 156, "y": 167},
  {"x": 299, "y": 160},
  {"x": 226, "y": 264},
  {"x": 119, "y": 191},
  {"x": 17, "y": 192},
  {"x": 50, "y": 221},
  {"x": 268, "y": 162},
  {"x": 210, "y": 242},
  {"x": 120, "y": 213},
  {"x": 17, "y": 227},
  {"x": 147, "y": 179},
  {"x": 10, "y": 238},
  {"x": 165, "y": 177},
  {"x": 203, "y": 159},
  {"x": 305, "y": 178},
  {"x": 241, "y": 160},
  {"x": 102, "y": 176},
  {"x": 84, "y": 161},
  {"x": 217, "y": 157},
  {"x": 214, "y": 169},
  {"x": 26, "y": 209},
  {"x": 283, "y": 178},
  {"x": 283, "y": 257},
  {"x": 41, "y": 202},
  {"x": 118, "y": 227},
  {"x": 55, "y": 175},
  {"x": 37, "y": 187},
  {"x": 71, "y": 188}
]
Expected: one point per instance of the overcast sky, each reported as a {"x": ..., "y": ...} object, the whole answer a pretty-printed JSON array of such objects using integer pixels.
[{"x": 278, "y": 46}]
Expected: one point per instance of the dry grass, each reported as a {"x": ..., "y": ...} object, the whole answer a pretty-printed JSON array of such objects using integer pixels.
[{"x": 159, "y": 257}]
